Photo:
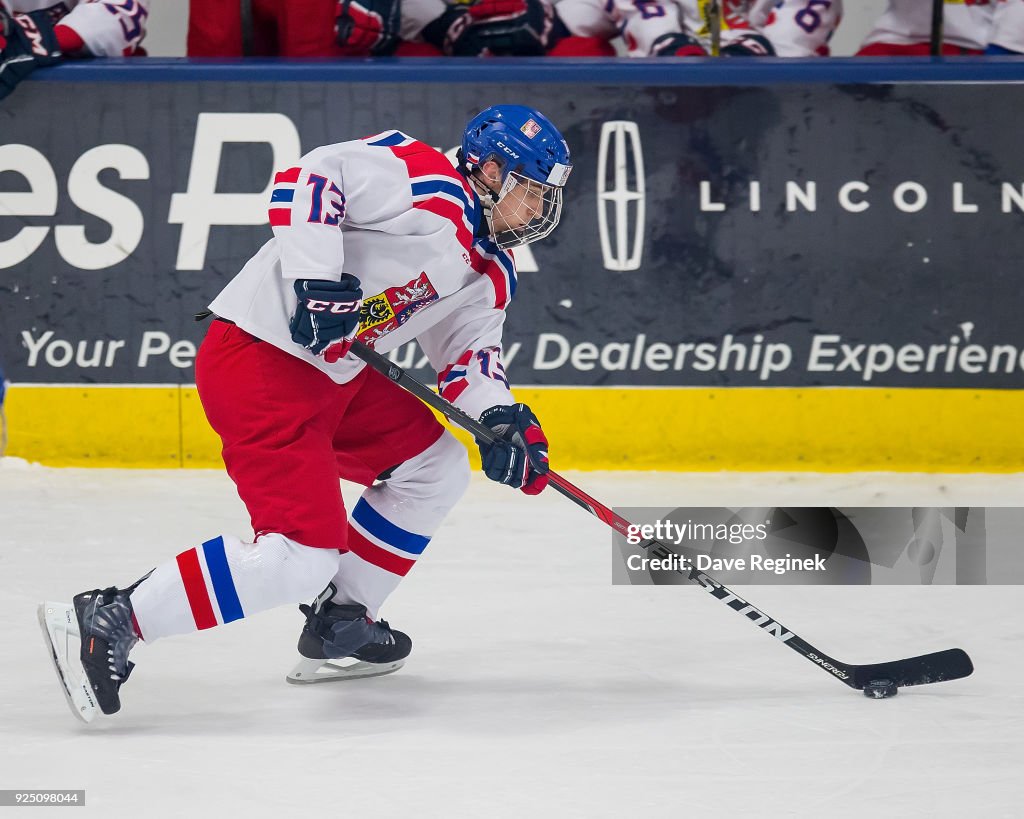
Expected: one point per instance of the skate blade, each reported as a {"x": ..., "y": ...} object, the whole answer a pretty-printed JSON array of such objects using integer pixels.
[
  {"x": 60, "y": 628},
  {"x": 308, "y": 672}
]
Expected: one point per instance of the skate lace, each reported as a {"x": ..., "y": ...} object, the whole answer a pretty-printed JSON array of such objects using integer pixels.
[
  {"x": 314, "y": 620},
  {"x": 113, "y": 622},
  {"x": 387, "y": 632}
]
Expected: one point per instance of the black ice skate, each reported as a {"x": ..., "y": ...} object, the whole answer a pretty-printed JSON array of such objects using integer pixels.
[
  {"x": 339, "y": 642},
  {"x": 101, "y": 622},
  {"x": 107, "y": 634}
]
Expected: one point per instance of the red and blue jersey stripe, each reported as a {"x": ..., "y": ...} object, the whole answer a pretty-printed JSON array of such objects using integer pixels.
[
  {"x": 491, "y": 366},
  {"x": 498, "y": 266},
  {"x": 435, "y": 184},
  {"x": 438, "y": 187},
  {"x": 282, "y": 196},
  {"x": 454, "y": 379},
  {"x": 388, "y": 139}
]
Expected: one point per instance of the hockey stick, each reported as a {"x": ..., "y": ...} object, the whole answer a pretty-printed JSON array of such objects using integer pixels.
[
  {"x": 4, "y": 384},
  {"x": 938, "y": 12},
  {"x": 714, "y": 23},
  {"x": 248, "y": 34},
  {"x": 950, "y": 664}
]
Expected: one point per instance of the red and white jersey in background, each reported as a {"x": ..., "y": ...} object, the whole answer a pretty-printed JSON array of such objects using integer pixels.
[
  {"x": 796, "y": 28},
  {"x": 394, "y": 213},
  {"x": 966, "y": 23},
  {"x": 1008, "y": 25},
  {"x": 114, "y": 28}
]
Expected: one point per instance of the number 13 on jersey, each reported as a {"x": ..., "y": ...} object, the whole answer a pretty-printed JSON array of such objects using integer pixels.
[{"x": 335, "y": 201}]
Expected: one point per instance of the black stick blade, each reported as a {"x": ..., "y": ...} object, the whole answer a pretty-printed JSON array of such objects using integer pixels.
[{"x": 951, "y": 664}]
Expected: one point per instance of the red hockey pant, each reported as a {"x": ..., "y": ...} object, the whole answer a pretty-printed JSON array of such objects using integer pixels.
[{"x": 289, "y": 432}]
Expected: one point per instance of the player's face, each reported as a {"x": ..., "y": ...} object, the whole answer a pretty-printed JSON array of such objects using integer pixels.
[{"x": 518, "y": 207}]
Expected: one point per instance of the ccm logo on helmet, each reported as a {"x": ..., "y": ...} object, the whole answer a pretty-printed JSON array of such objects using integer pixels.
[{"x": 507, "y": 150}]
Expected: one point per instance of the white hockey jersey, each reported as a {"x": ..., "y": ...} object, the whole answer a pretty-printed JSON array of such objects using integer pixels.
[
  {"x": 396, "y": 214},
  {"x": 113, "y": 28},
  {"x": 966, "y": 23},
  {"x": 1008, "y": 25},
  {"x": 796, "y": 28}
]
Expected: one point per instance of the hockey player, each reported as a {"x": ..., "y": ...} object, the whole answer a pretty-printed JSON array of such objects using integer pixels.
[
  {"x": 568, "y": 28},
  {"x": 364, "y": 28},
  {"x": 683, "y": 29},
  {"x": 904, "y": 29},
  {"x": 36, "y": 33},
  {"x": 1007, "y": 35},
  {"x": 292, "y": 28},
  {"x": 665, "y": 28},
  {"x": 797, "y": 28},
  {"x": 383, "y": 240}
]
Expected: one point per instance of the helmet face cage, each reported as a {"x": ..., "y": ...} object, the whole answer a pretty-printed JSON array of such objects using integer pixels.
[{"x": 529, "y": 209}]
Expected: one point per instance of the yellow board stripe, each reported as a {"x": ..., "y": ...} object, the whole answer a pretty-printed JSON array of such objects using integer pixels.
[{"x": 821, "y": 429}]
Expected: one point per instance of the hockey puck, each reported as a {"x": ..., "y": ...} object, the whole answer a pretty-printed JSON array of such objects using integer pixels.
[{"x": 880, "y": 689}]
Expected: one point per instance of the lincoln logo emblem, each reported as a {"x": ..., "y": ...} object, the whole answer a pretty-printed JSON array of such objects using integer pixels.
[{"x": 620, "y": 195}]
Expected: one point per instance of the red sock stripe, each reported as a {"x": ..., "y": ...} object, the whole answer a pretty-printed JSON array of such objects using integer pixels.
[
  {"x": 372, "y": 553},
  {"x": 195, "y": 589}
]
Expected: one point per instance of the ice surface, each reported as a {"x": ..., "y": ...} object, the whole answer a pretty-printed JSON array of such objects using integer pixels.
[{"x": 535, "y": 688}]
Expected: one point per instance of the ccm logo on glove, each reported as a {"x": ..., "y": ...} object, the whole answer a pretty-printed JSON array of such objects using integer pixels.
[{"x": 337, "y": 307}]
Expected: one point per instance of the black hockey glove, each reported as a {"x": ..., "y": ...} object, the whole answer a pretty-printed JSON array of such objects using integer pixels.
[
  {"x": 27, "y": 41},
  {"x": 749, "y": 45},
  {"x": 677, "y": 44},
  {"x": 327, "y": 315},
  {"x": 366, "y": 28},
  {"x": 520, "y": 457},
  {"x": 500, "y": 28}
]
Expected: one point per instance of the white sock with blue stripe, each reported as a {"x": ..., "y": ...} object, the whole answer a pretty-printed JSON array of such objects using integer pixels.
[
  {"x": 225, "y": 579},
  {"x": 392, "y": 523}
]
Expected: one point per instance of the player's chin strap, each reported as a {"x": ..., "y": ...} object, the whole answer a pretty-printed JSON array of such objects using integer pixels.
[{"x": 488, "y": 198}]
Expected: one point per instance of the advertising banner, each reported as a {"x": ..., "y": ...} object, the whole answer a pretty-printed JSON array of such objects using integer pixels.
[{"x": 782, "y": 236}]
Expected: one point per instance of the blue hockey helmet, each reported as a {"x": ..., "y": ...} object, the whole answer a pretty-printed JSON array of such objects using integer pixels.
[{"x": 535, "y": 165}]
